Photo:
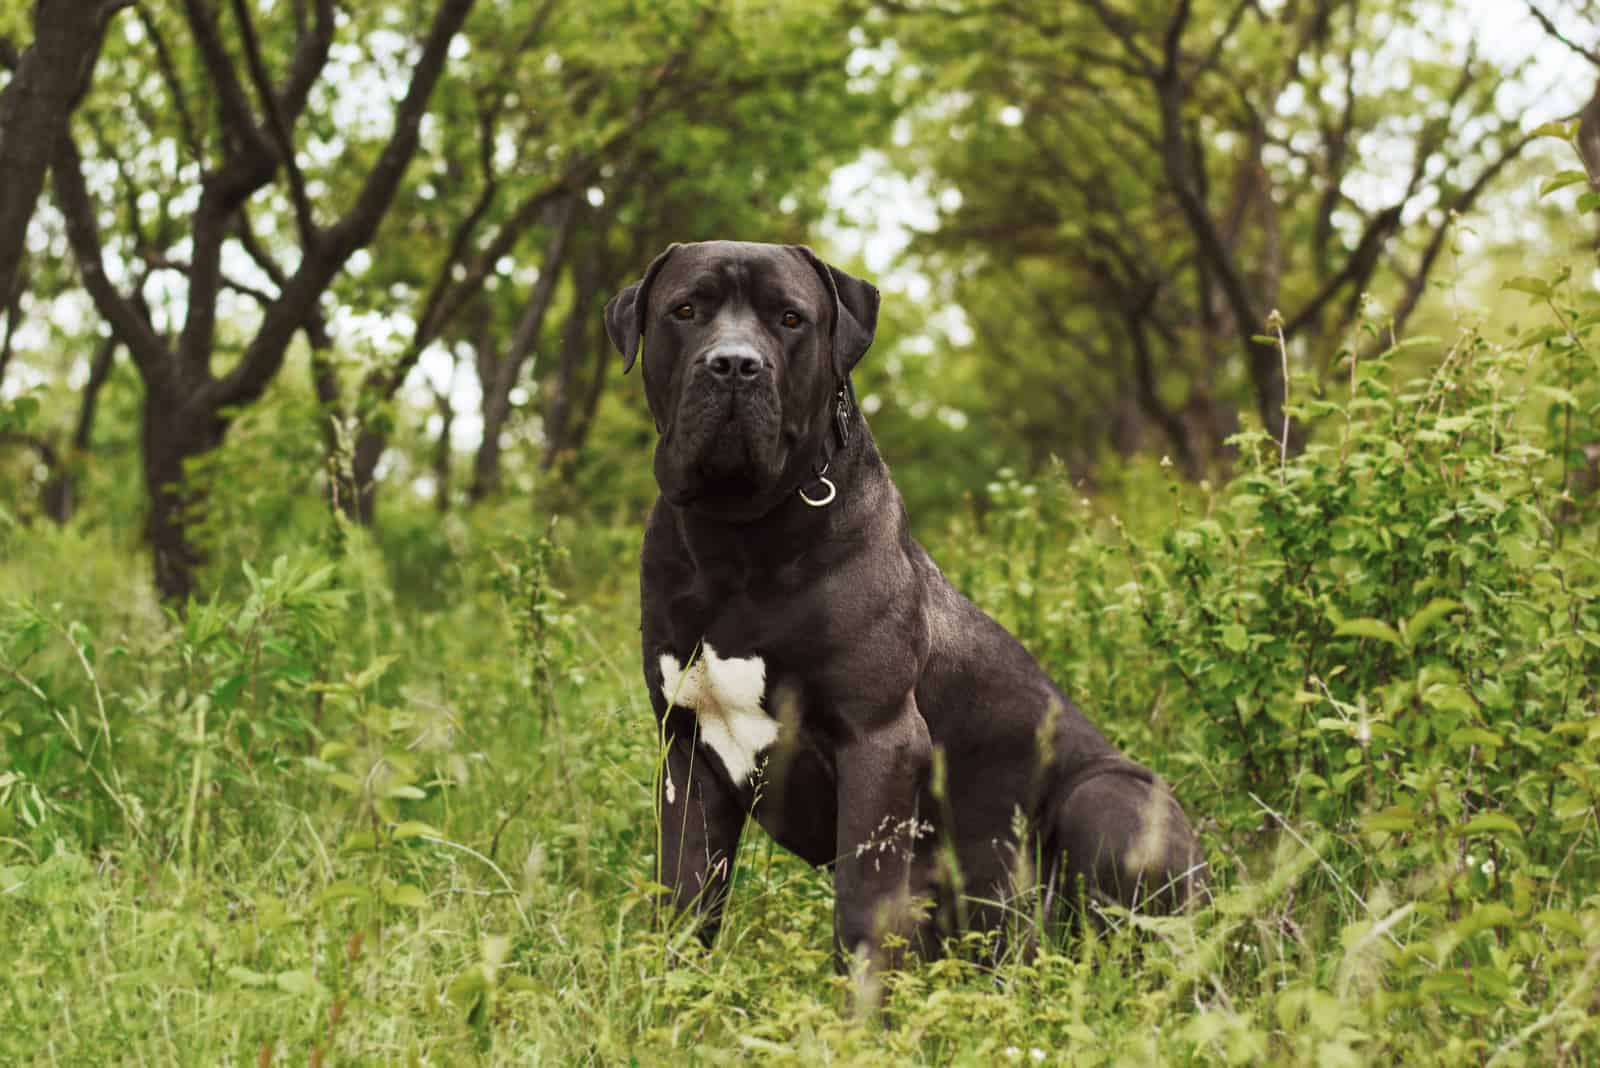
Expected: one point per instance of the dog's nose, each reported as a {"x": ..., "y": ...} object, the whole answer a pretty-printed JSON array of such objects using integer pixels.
[{"x": 736, "y": 362}]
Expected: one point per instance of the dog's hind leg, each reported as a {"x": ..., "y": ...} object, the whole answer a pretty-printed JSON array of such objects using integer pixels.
[{"x": 1121, "y": 838}]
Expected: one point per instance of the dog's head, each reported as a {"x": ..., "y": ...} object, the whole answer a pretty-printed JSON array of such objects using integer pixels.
[{"x": 744, "y": 347}]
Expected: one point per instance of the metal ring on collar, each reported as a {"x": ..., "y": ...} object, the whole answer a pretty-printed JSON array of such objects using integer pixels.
[{"x": 833, "y": 491}]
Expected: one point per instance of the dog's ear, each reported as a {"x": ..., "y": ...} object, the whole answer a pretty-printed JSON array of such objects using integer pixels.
[
  {"x": 625, "y": 312},
  {"x": 855, "y": 313}
]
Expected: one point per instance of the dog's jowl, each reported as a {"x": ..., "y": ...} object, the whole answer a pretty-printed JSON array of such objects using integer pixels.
[{"x": 806, "y": 658}]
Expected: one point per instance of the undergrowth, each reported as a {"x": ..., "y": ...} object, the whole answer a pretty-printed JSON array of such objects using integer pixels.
[{"x": 390, "y": 803}]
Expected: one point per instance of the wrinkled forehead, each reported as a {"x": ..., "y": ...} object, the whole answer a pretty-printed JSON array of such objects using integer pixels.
[{"x": 721, "y": 269}]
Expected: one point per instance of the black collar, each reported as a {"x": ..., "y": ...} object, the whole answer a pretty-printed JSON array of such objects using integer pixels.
[{"x": 823, "y": 489}]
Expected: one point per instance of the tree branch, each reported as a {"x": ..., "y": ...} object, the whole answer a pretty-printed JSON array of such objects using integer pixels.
[
  {"x": 266, "y": 352},
  {"x": 1460, "y": 205},
  {"x": 1357, "y": 270},
  {"x": 36, "y": 108},
  {"x": 13, "y": 311},
  {"x": 1229, "y": 28},
  {"x": 1591, "y": 54},
  {"x": 278, "y": 128},
  {"x": 310, "y": 56},
  {"x": 149, "y": 353},
  {"x": 232, "y": 104},
  {"x": 99, "y": 372},
  {"x": 1125, "y": 30},
  {"x": 1171, "y": 48},
  {"x": 169, "y": 76}
]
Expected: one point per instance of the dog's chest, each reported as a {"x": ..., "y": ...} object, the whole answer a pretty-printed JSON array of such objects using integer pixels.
[{"x": 727, "y": 695}]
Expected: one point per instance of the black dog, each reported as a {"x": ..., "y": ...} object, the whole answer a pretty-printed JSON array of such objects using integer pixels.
[{"x": 807, "y": 660}]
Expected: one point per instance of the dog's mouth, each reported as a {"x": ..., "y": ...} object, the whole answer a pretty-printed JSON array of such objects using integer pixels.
[
  {"x": 720, "y": 491},
  {"x": 721, "y": 448},
  {"x": 727, "y": 483}
]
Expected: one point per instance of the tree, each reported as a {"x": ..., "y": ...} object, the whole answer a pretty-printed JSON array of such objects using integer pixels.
[
  {"x": 1588, "y": 134},
  {"x": 47, "y": 81},
  {"x": 700, "y": 122},
  {"x": 250, "y": 145},
  {"x": 1135, "y": 190}
]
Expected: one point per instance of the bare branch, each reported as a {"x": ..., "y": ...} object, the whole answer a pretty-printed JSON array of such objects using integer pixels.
[
  {"x": 169, "y": 76},
  {"x": 1229, "y": 28},
  {"x": 1358, "y": 266},
  {"x": 446, "y": 299},
  {"x": 266, "y": 352},
  {"x": 238, "y": 122},
  {"x": 99, "y": 371},
  {"x": 36, "y": 107},
  {"x": 1171, "y": 49},
  {"x": 1126, "y": 31},
  {"x": 160, "y": 261},
  {"x": 1550, "y": 27},
  {"x": 1460, "y": 205},
  {"x": 310, "y": 56},
  {"x": 277, "y": 126},
  {"x": 497, "y": 388},
  {"x": 1336, "y": 146},
  {"x": 149, "y": 352}
]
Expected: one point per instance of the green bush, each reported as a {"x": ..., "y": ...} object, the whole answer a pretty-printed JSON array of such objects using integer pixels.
[{"x": 386, "y": 798}]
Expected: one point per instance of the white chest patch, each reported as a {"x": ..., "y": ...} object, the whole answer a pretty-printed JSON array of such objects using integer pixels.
[{"x": 726, "y": 697}]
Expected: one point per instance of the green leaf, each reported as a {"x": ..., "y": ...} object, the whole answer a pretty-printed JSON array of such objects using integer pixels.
[
  {"x": 1467, "y": 737},
  {"x": 359, "y": 841},
  {"x": 1561, "y": 180},
  {"x": 414, "y": 829},
  {"x": 246, "y": 977},
  {"x": 1534, "y": 287},
  {"x": 1557, "y": 129},
  {"x": 468, "y": 990},
  {"x": 372, "y": 672},
  {"x": 344, "y": 890},
  {"x": 1484, "y": 917},
  {"x": 1561, "y": 920},
  {"x": 1419, "y": 341},
  {"x": 334, "y": 750},
  {"x": 1491, "y": 823},
  {"x": 345, "y": 781},
  {"x": 1369, "y": 628},
  {"x": 1429, "y": 614},
  {"x": 298, "y": 982},
  {"x": 1235, "y": 638},
  {"x": 1563, "y": 397},
  {"x": 224, "y": 695},
  {"x": 405, "y": 896}
]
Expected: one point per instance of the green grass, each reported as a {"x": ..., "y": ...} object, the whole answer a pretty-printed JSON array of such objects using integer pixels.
[
  {"x": 505, "y": 915},
  {"x": 389, "y": 802}
]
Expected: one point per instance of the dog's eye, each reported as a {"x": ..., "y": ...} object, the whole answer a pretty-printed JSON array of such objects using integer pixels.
[
  {"x": 683, "y": 312},
  {"x": 791, "y": 319}
]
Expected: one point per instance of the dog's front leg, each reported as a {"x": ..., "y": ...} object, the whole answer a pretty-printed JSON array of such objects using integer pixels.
[
  {"x": 883, "y": 767},
  {"x": 701, "y": 819}
]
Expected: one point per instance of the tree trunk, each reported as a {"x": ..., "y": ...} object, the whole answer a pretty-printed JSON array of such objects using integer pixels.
[
  {"x": 50, "y": 78},
  {"x": 497, "y": 388},
  {"x": 12, "y": 308},
  {"x": 61, "y": 491},
  {"x": 574, "y": 348},
  {"x": 441, "y": 453},
  {"x": 173, "y": 434},
  {"x": 370, "y": 445},
  {"x": 600, "y": 349}
]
